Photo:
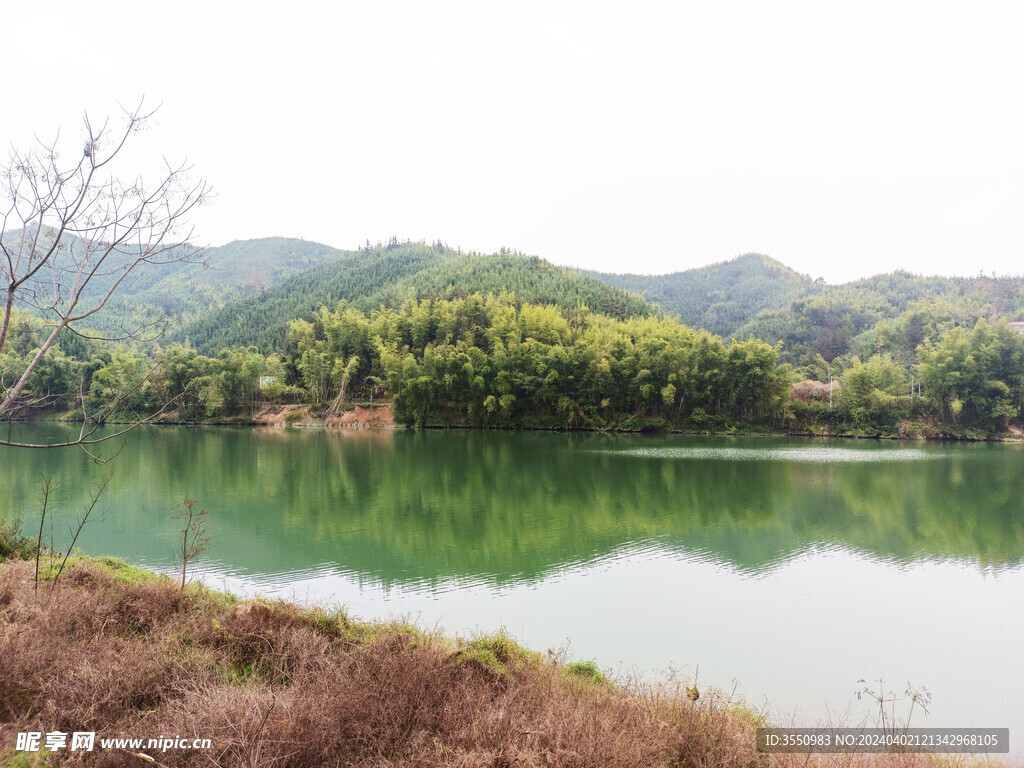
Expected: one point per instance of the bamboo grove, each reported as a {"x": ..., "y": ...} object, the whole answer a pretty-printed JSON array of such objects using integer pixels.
[{"x": 491, "y": 360}]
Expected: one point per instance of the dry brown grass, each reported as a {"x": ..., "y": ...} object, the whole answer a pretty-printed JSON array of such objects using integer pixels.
[{"x": 275, "y": 685}]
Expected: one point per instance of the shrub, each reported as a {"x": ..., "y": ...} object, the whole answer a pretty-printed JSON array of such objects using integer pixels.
[
  {"x": 586, "y": 670},
  {"x": 271, "y": 683},
  {"x": 12, "y": 543}
]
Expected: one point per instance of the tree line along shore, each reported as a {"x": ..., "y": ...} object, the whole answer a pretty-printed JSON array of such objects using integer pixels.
[{"x": 494, "y": 361}]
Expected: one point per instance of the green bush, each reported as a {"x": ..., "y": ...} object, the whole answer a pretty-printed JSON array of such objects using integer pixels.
[
  {"x": 586, "y": 670},
  {"x": 12, "y": 544}
]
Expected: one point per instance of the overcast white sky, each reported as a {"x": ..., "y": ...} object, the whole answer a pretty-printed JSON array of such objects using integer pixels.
[{"x": 843, "y": 139}]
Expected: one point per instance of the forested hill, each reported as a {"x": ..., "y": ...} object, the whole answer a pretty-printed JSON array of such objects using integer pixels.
[
  {"x": 391, "y": 274},
  {"x": 888, "y": 314},
  {"x": 816, "y": 323},
  {"x": 246, "y": 292},
  {"x": 240, "y": 268},
  {"x": 719, "y": 297},
  {"x": 180, "y": 291}
]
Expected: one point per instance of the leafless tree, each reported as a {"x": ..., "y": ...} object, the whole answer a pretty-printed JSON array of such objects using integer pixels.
[
  {"x": 71, "y": 233},
  {"x": 94, "y": 499},
  {"x": 193, "y": 541}
]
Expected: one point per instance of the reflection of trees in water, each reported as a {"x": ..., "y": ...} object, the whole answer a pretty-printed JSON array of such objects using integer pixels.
[
  {"x": 396, "y": 506},
  {"x": 970, "y": 505}
]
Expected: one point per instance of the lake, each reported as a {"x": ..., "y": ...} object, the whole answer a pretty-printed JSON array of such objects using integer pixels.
[{"x": 787, "y": 569}]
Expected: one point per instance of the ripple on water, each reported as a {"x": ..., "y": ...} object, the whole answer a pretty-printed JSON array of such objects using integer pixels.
[{"x": 815, "y": 455}]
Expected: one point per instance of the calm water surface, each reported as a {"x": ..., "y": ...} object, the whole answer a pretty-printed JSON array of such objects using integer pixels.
[{"x": 789, "y": 568}]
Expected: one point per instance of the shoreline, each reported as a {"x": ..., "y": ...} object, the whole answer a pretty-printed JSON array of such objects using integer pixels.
[
  {"x": 336, "y": 685},
  {"x": 203, "y": 664},
  {"x": 358, "y": 424}
]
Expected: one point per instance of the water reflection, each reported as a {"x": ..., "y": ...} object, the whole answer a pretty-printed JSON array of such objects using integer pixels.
[
  {"x": 794, "y": 566},
  {"x": 432, "y": 507}
]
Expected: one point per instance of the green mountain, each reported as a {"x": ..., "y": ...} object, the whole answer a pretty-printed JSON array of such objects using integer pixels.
[
  {"x": 389, "y": 276},
  {"x": 888, "y": 314},
  {"x": 244, "y": 293},
  {"x": 241, "y": 268},
  {"x": 892, "y": 314},
  {"x": 179, "y": 291},
  {"x": 720, "y": 297}
]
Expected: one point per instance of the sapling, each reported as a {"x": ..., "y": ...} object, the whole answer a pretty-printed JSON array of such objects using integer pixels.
[
  {"x": 194, "y": 540},
  {"x": 94, "y": 499},
  {"x": 49, "y": 486}
]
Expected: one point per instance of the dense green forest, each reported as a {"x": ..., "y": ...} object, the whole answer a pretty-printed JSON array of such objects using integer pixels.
[
  {"x": 168, "y": 294},
  {"x": 819, "y": 324},
  {"x": 719, "y": 298},
  {"x": 179, "y": 292},
  {"x": 507, "y": 340},
  {"x": 494, "y": 361},
  {"x": 483, "y": 360},
  {"x": 887, "y": 314},
  {"x": 388, "y": 275}
]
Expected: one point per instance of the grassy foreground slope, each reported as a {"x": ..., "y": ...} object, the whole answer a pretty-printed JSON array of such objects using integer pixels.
[{"x": 125, "y": 653}]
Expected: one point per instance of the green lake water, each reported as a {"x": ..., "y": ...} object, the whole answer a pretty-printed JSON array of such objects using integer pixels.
[{"x": 786, "y": 568}]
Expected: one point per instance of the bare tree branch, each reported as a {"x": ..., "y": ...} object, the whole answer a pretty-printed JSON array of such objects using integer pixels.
[
  {"x": 94, "y": 499},
  {"x": 72, "y": 232},
  {"x": 90, "y": 424}
]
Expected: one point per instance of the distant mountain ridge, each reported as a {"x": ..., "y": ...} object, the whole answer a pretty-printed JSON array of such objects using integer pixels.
[
  {"x": 228, "y": 272},
  {"x": 719, "y": 297},
  {"x": 754, "y": 295},
  {"x": 246, "y": 291},
  {"x": 179, "y": 291},
  {"x": 889, "y": 314}
]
